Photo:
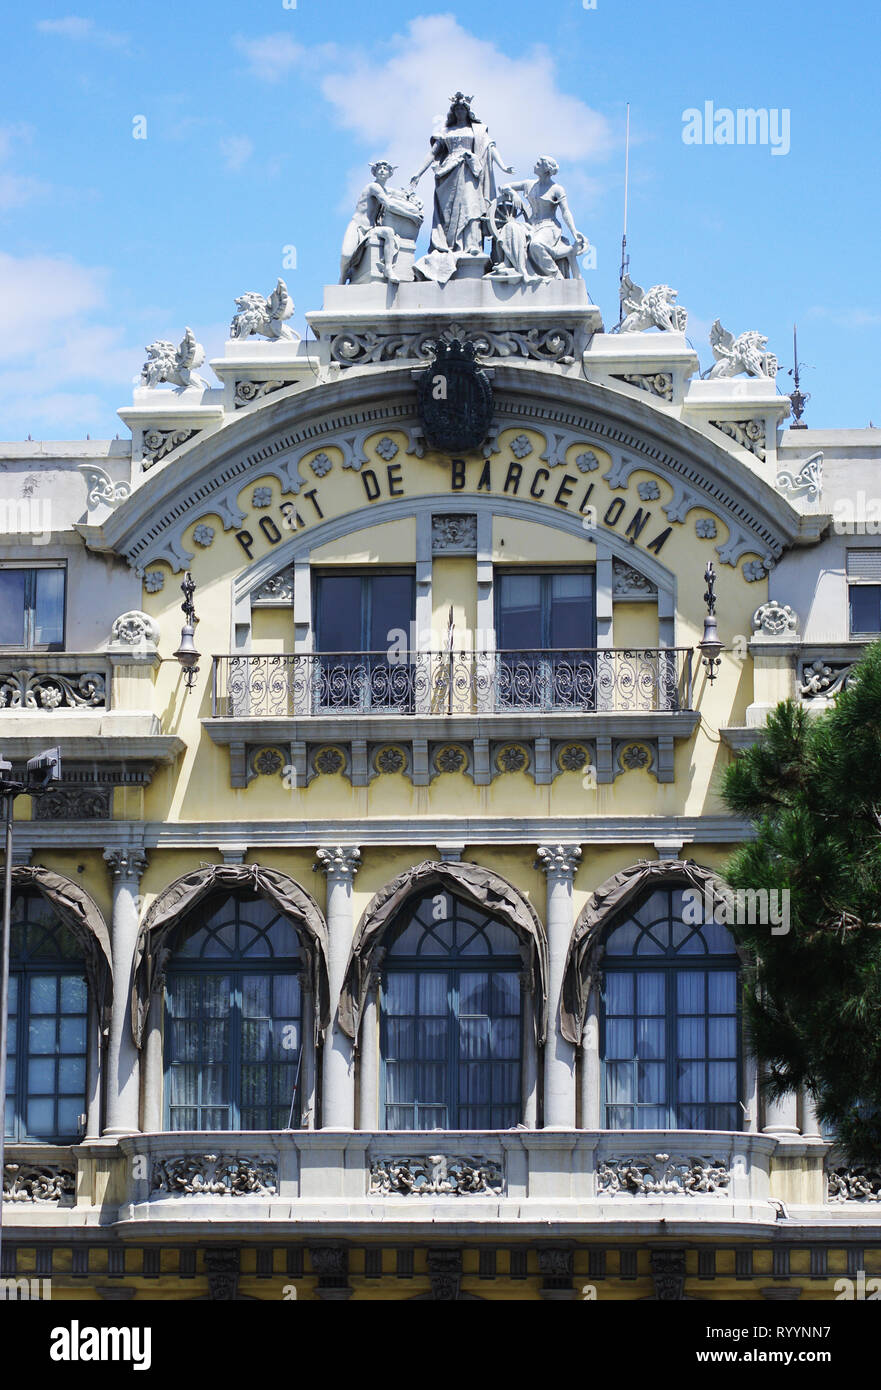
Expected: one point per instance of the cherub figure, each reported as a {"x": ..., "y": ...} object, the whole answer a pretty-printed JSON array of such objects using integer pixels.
[
  {"x": 651, "y": 308},
  {"x": 367, "y": 222},
  {"x": 264, "y": 317},
  {"x": 744, "y": 355},
  {"x": 549, "y": 251},
  {"x": 174, "y": 365}
]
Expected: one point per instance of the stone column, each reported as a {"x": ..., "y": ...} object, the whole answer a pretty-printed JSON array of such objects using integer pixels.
[
  {"x": 123, "y": 1080},
  {"x": 152, "y": 1079},
  {"x": 306, "y": 1117},
  {"x": 340, "y": 864},
  {"x": 781, "y": 1116},
  {"x": 368, "y": 1075},
  {"x": 529, "y": 1063},
  {"x": 590, "y": 1065},
  {"x": 93, "y": 1072},
  {"x": 810, "y": 1125},
  {"x": 559, "y": 863}
]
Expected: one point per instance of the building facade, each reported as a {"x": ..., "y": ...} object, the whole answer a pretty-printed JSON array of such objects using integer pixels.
[{"x": 389, "y": 960}]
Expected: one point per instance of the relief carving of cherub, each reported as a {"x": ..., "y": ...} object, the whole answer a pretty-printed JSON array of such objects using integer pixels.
[{"x": 165, "y": 362}]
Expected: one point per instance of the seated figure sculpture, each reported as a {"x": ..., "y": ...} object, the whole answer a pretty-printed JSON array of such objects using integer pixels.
[
  {"x": 368, "y": 223},
  {"x": 550, "y": 254}
]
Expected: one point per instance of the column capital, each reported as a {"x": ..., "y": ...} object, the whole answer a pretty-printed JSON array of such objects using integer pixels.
[
  {"x": 558, "y": 861},
  {"x": 126, "y": 863},
  {"x": 340, "y": 862}
]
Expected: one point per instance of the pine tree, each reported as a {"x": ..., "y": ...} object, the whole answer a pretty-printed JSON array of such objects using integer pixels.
[{"x": 812, "y": 786}]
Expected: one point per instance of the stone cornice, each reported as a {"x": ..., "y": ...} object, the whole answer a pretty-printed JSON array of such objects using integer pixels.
[{"x": 207, "y": 474}]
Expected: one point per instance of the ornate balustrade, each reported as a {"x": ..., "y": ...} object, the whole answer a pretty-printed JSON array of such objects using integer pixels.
[
  {"x": 50, "y": 681},
  {"x": 319, "y": 1177},
  {"x": 453, "y": 683}
]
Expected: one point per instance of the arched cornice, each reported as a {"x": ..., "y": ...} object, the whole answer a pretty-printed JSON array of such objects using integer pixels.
[
  {"x": 82, "y": 916},
  {"x": 272, "y": 437},
  {"x": 472, "y": 882},
  {"x": 156, "y": 933},
  {"x": 604, "y": 904}
]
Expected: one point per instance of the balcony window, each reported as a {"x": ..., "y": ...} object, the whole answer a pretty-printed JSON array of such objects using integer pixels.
[
  {"x": 670, "y": 1021},
  {"x": 32, "y": 606},
  {"x": 48, "y": 1008},
  {"x": 545, "y": 629},
  {"x": 233, "y": 1030},
  {"x": 864, "y": 592},
  {"x": 354, "y": 614},
  {"x": 451, "y": 1020}
]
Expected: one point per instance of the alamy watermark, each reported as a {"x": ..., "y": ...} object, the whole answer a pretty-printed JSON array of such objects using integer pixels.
[
  {"x": 737, "y": 907},
  {"x": 743, "y": 125},
  {"x": 27, "y": 516}
]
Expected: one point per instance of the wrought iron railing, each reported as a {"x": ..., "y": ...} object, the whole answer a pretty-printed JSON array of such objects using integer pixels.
[{"x": 442, "y": 683}]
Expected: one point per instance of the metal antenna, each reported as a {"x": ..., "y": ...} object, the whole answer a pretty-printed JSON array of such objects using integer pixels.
[
  {"x": 798, "y": 398},
  {"x": 625, "y": 259}
]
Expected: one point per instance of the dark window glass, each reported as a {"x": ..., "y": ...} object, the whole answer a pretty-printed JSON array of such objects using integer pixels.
[
  {"x": 48, "y": 1012},
  {"x": 234, "y": 1020},
  {"x": 545, "y": 629},
  {"x": 670, "y": 1048},
  {"x": 865, "y": 608},
  {"x": 32, "y": 607},
  {"x": 451, "y": 1020},
  {"x": 359, "y": 666}
]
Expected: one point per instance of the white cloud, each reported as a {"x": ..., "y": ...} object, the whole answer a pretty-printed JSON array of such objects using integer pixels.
[
  {"x": 395, "y": 96},
  {"x": 271, "y": 58},
  {"x": 236, "y": 150},
  {"x": 846, "y": 318},
  {"x": 16, "y": 189},
  {"x": 81, "y": 30}
]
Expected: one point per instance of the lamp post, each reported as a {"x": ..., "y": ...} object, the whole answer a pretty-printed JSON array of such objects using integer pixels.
[
  {"x": 41, "y": 770},
  {"x": 710, "y": 645},
  {"x": 186, "y": 653}
]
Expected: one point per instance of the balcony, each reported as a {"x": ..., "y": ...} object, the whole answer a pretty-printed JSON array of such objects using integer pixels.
[
  {"x": 355, "y": 1181},
  {"x": 453, "y": 683},
  {"x": 366, "y": 714}
]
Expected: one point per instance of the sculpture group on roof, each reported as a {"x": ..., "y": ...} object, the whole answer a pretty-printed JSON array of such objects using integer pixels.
[{"x": 515, "y": 233}]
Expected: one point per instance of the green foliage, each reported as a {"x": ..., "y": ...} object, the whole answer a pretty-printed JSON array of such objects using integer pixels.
[{"x": 812, "y": 787}]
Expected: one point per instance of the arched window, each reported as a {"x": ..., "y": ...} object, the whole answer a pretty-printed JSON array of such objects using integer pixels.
[
  {"x": 233, "y": 1029},
  {"x": 451, "y": 1019},
  {"x": 670, "y": 1020},
  {"x": 48, "y": 1010}
]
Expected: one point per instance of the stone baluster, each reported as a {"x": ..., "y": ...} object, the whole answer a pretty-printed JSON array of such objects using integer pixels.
[
  {"x": 559, "y": 863},
  {"x": 340, "y": 864},
  {"x": 123, "y": 1064}
]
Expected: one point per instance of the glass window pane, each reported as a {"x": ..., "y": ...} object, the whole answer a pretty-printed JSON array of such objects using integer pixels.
[
  {"x": 650, "y": 992},
  {"x": 722, "y": 991},
  {"x": 41, "y": 1117},
  {"x": 391, "y": 607},
  {"x": 12, "y": 612},
  {"x": 41, "y": 1035},
  {"x": 619, "y": 1082},
  {"x": 619, "y": 992},
  {"x": 865, "y": 608},
  {"x": 74, "y": 998},
  {"x": 619, "y": 1038},
  {"x": 41, "y": 1076},
  {"x": 432, "y": 992},
  {"x": 690, "y": 991},
  {"x": 49, "y": 616},
  {"x": 571, "y": 600},
  {"x": 650, "y": 1082},
  {"x": 44, "y": 994},
  {"x": 338, "y": 613},
  {"x": 520, "y": 612}
]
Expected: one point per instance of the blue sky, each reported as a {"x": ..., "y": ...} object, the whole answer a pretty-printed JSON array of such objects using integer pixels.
[{"x": 261, "y": 118}]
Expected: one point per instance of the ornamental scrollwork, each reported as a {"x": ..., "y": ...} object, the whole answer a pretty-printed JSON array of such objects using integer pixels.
[
  {"x": 858, "y": 1184},
  {"x": 436, "y": 1175},
  {"x": 39, "y": 1182},
  {"x": 248, "y": 391},
  {"x": 774, "y": 619},
  {"x": 25, "y": 689},
  {"x": 822, "y": 679},
  {"x": 659, "y": 1175},
  {"x": 808, "y": 481},
  {"x": 368, "y": 346},
  {"x": 158, "y": 444},
  {"x": 215, "y": 1175},
  {"x": 750, "y": 434}
]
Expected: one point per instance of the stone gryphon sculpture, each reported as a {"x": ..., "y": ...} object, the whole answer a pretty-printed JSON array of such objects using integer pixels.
[
  {"x": 743, "y": 355},
  {"x": 381, "y": 237},
  {"x": 652, "y": 308},
  {"x": 264, "y": 317},
  {"x": 165, "y": 362}
]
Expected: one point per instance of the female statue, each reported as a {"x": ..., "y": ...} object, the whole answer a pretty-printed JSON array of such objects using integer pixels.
[
  {"x": 548, "y": 248},
  {"x": 463, "y": 159}
]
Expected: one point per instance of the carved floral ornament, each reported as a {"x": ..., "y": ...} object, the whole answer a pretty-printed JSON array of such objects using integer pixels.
[{"x": 774, "y": 619}]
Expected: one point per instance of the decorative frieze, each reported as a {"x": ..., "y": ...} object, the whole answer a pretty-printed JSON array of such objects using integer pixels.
[
  {"x": 627, "y": 582},
  {"x": 101, "y": 490},
  {"x": 157, "y": 444},
  {"x": 222, "y": 1268},
  {"x": 807, "y": 482},
  {"x": 656, "y": 383},
  {"x": 749, "y": 433},
  {"x": 73, "y": 803},
  {"x": 668, "y": 1275},
  {"x": 135, "y": 629},
  {"x": 659, "y": 1175},
  {"x": 246, "y": 392},
  {"x": 858, "y": 1184},
  {"x": 49, "y": 690},
  {"x": 276, "y": 592},
  {"x": 454, "y": 534},
  {"x": 370, "y": 346},
  {"x": 436, "y": 1175},
  {"x": 51, "y": 1183},
  {"x": 215, "y": 1175},
  {"x": 823, "y": 679},
  {"x": 445, "y": 1274}
]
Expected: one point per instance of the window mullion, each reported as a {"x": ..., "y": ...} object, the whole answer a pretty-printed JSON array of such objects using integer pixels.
[{"x": 454, "y": 1048}]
